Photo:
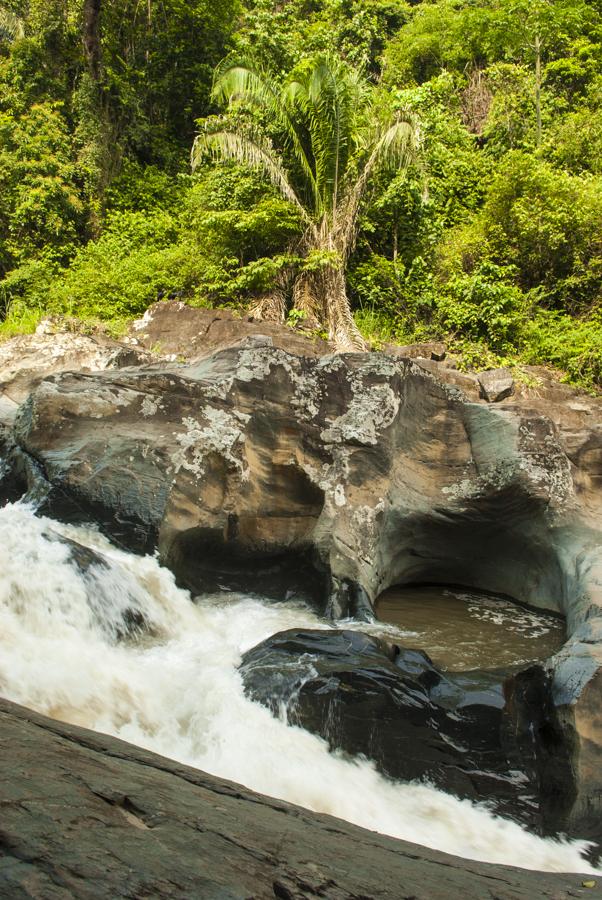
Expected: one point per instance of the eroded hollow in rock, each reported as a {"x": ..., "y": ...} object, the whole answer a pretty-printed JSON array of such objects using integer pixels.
[
  {"x": 204, "y": 563},
  {"x": 498, "y": 543},
  {"x": 463, "y": 629}
]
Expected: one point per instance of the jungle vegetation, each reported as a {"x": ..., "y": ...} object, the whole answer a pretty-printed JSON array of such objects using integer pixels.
[{"x": 374, "y": 170}]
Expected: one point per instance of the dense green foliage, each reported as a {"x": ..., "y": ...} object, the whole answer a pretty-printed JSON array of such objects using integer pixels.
[{"x": 493, "y": 240}]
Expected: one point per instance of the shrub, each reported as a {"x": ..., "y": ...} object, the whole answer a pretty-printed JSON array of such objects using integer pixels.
[
  {"x": 548, "y": 224},
  {"x": 574, "y": 345},
  {"x": 484, "y": 306},
  {"x": 138, "y": 256}
]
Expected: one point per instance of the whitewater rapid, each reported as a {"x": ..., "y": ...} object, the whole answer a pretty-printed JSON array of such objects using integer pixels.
[{"x": 175, "y": 689}]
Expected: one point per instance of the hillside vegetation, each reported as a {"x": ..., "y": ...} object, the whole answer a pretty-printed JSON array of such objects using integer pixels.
[{"x": 477, "y": 218}]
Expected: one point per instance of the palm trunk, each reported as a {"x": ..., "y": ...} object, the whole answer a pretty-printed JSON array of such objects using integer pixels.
[
  {"x": 322, "y": 294},
  {"x": 271, "y": 307},
  {"x": 306, "y": 299},
  {"x": 342, "y": 329},
  {"x": 322, "y": 298}
]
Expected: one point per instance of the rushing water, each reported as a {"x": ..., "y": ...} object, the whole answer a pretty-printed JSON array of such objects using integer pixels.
[
  {"x": 176, "y": 690},
  {"x": 463, "y": 630}
]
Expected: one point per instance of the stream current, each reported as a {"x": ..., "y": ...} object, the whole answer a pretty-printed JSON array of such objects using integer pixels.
[{"x": 174, "y": 688}]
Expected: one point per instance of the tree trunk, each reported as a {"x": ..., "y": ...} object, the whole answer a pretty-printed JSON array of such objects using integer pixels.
[
  {"x": 538, "y": 86},
  {"x": 342, "y": 329},
  {"x": 271, "y": 306},
  {"x": 91, "y": 36},
  {"x": 322, "y": 298},
  {"x": 321, "y": 294},
  {"x": 307, "y": 299}
]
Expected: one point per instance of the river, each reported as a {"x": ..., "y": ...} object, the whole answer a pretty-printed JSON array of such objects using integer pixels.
[{"x": 173, "y": 687}]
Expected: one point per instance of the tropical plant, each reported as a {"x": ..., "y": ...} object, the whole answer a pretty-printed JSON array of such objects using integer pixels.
[
  {"x": 11, "y": 25},
  {"x": 334, "y": 140}
]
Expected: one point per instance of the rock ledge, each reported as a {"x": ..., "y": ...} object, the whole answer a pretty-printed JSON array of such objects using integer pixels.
[{"x": 87, "y": 816}]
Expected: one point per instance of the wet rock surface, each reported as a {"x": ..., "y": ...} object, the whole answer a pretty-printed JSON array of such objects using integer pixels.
[
  {"x": 393, "y": 706},
  {"x": 87, "y": 816},
  {"x": 328, "y": 476}
]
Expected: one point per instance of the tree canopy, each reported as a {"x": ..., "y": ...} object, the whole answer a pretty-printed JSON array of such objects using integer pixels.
[
  {"x": 337, "y": 143},
  {"x": 371, "y": 169}
]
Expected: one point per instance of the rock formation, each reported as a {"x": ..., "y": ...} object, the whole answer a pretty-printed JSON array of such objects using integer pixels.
[
  {"x": 335, "y": 477},
  {"x": 393, "y": 706},
  {"x": 88, "y": 816}
]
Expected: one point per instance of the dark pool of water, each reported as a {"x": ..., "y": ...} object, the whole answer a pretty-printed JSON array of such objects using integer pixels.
[{"x": 462, "y": 630}]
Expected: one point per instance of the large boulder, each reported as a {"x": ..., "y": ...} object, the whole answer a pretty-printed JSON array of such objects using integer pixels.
[
  {"x": 170, "y": 327},
  {"x": 393, "y": 706},
  {"x": 334, "y": 477}
]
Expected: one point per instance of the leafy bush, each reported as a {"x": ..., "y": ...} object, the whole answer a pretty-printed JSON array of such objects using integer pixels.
[
  {"x": 547, "y": 224},
  {"x": 217, "y": 239},
  {"x": 138, "y": 256},
  {"x": 41, "y": 208},
  {"x": 484, "y": 306},
  {"x": 575, "y": 143},
  {"x": 139, "y": 188},
  {"x": 574, "y": 345},
  {"x": 377, "y": 283}
]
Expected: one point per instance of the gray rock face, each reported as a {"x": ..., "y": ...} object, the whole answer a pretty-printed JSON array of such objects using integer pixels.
[
  {"x": 26, "y": 360},
  {"x": 368, "y": 465},
  {"x": 87, "y": 816},
  {"x": 336, "y": 477},
  {"x": 435, "y": 350},
  {"x": 496, "y": 385}
]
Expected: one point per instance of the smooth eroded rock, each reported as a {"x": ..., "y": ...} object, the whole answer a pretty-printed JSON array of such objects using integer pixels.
[
  {"x": 333, "y": 477},
  {"x": 392, "y": 705},
  {"x": 87, "y": 816}
]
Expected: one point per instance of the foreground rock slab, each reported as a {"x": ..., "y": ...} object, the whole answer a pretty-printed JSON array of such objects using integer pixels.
[{"x": 88, "y": 816}]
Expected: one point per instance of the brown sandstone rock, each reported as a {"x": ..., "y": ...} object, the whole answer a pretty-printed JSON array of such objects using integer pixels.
[
  {"x": 435, "y": 350},
  {"x": 496, "y": 385},
  {"x": 172, "y": 328}
]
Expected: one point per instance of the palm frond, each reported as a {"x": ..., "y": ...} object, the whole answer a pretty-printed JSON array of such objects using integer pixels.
[
  {"x": 331, "y": 106},
  {"x": 11, "y": 26},
  {"x": 395, "y": 146},
  {"x": 251, "y": 151},
  {"x": 241, "y": 79}
]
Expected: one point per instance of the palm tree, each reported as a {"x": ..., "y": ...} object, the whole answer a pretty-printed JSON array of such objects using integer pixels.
[
  {"x": 11, "y": 25},
  {"x": 336, "y": 141}
]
